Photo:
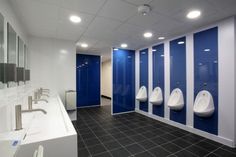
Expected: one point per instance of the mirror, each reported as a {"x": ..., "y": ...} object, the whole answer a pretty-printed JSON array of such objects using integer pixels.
[
  {"x": 21, "y": 62},
  {"x": 27, "y": 66},
  {"x": 2, "y": 77},
  {"x": 10, "y": 72}
]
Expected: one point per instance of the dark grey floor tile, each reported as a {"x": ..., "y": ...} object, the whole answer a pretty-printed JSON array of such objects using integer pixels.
[
  {"x": 181, "y": 143},
  {"x": 83, "y": 152},
  {"x": 159, "y": 152},
  {"x": 169, "y": 137},
  {"x": 121, "y": 152},
  {"x": 147, "y": 144},
  {"x": 144, "y": 154},
  {"x": 91, "y": 142},
  {"x": 184, "y": 153},
  {"x": 171, "y": 147},
  {"x": 112, "y": 145},
  {"x": 125, "y": 141},
  {"x": 197, "y": 151},
  {"x": 211, "y": 155},
  {"x": 97, "y": 149},
  {"x": 229, "y": 149},
  {"x": 224, "y": 153},
  {"x": 106, "y": 138},
  {"x": 158, "y": 140},
  {"x": 134, "y": 148},
  {"x": 207, "y": 146},
  {"x": 137, "y": 138},
  {"x": 104, "y": 154}
]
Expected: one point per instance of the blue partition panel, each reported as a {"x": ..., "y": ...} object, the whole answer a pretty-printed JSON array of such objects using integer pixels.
[
  {"x": 123, "y": 80},
  {"x": 206, "y": 74},
  {"x": 143, "y": 76},
  {"x": 158, "y": 76},
  {"x": 88, "y": 80},
  {"x": 178, "y": 75}
]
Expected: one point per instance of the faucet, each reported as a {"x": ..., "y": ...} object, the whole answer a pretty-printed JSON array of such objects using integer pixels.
[
  {"x": 37, "y": 98},
  {"x": 18, "y": 114}
]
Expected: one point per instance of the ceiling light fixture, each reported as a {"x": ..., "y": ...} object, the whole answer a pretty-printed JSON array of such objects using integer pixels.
[
  {"x": 181, "y": 42},
  {"x": 84, "y": 45},
  {"x": 161, "y": 38},
  {"x": 194, "y": 14},
  {"x": 154, "y": 50},
  {"x": 75, "y": 19},
  {"x": 147, "y": 35},
  {"x": 115, "y": 49},
  {"x": 124, "y": 45}
]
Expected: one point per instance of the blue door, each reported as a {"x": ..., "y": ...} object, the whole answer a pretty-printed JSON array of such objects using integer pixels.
[{"x": 88, "y": 80}]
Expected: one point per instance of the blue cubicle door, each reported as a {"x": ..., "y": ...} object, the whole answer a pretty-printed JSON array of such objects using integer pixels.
[
  {"x": 206, "y": 74},
  {"x": 88, "y": 80},
  {"x": 158, "y": 75},
  {"x": 123, "y": 80},
  {"x": 143, "y": 76},
  {"x": 178, "y": 75}
]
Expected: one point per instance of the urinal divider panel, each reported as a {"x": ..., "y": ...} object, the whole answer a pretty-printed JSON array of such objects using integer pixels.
[
  {"x": 178, "y": 75},
  {"x": 143, "y": 63},
  {"x": 206, "y": 75},
  {"x": 158, "y": 76}
]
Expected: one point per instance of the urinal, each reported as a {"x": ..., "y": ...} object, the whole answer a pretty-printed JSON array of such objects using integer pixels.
[
  {"x": 142, "y": 94},
  {"x": 204, "y": 104},
  {"x": 156, "y": 97},
  {"x": 176, "y": 100}
]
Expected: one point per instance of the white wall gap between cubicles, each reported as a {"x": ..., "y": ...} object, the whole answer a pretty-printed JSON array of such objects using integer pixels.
[{"x": 226, "y": 83}]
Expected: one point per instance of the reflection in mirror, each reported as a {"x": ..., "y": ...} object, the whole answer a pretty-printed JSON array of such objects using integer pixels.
[
  {"x": 11, "y": 57},
  {"x": 2, "y": 78},
  {"x": 27, "y": 71},
  {"x": 21, "y": 62}
]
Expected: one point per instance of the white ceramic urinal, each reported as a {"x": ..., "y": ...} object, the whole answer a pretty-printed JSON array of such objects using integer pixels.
[
  {"x": 176, "y": 100},
  {"x": 156, "y": 97},
  {"x": 203, "y": 104},
  {"x": 142, "y": 94}
]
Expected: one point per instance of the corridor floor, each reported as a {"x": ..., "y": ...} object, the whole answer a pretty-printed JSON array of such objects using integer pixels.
[{"x": 103, "y": 135}]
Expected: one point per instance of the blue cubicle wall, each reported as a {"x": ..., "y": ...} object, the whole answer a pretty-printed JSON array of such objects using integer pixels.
[
  {"x": 143, "y": 76},
  {"x": 158, "y": 76},
  {"x": 88, "y": 80},
  {"x": 178, "y": 75},
  {"x": 123, "y": 98},
  {"x": 206, "y": 74}
]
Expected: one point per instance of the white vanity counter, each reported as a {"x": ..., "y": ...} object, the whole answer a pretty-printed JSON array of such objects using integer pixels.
[{"x": 53, "y": 131}]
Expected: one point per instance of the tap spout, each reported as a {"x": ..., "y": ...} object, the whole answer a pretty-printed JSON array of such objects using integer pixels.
[{"x": 35, "y": 110}]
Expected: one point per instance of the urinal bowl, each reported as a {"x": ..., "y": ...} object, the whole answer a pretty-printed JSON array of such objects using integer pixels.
[
  {"x": 176, "y": 100},
  {"x": 204, "y": 105},
  {"x": 142, "y": 94},
  {"x": 156, "y": 97}
]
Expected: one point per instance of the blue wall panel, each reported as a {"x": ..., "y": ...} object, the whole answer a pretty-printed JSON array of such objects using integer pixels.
[
  {"x": 88, "y": 80},
  {"x": 144, "y": 76},
  {"x": 123, "y": 80},
  {"x": 178, "y": 75},
  {"x": 206, "y": 74},
  {"x": 158, "y": 76}
]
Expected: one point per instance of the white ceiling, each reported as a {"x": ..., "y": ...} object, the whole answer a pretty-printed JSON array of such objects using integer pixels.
[{"x": 107, "y": 23}]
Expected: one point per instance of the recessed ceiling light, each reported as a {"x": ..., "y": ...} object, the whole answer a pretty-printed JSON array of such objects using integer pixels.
[
  {"x": 75, "y": 19},
  {"x": 115, "y": 49},
  {"x": 194, "y": 14},
  {"x": 84, "y": 45},
  {"x": 153, "y": 50},
  {"x": 124, "y": 45},
  {"x": 161, "y": 38},
  {"x": 207, "y": 50},
  {"x": 62, "y": 51},
  {"x": 147, "y": 35},
  {"x": 181, "y": 42}
]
